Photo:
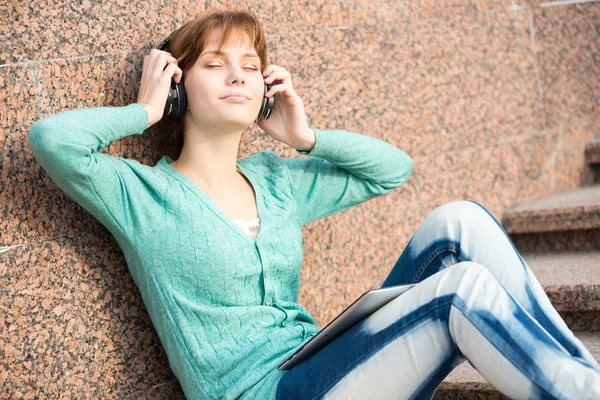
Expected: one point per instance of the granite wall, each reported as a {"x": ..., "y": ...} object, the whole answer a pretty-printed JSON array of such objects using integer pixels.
[{"x": 493, "y": 99}]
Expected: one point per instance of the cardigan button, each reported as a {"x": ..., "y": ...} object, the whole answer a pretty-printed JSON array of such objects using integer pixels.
[{"x": 269, "y": 301}]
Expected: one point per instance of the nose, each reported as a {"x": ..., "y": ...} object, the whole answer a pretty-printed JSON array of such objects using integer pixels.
[{"x": 237, "y": 76}]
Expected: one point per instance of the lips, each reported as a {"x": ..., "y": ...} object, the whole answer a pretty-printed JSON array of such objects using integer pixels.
[{"x": 239, "y": 96}]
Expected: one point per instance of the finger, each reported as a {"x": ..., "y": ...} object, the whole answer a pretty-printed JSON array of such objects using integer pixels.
[
  {"x": 157, "y": 51},
  {"x": 164, "y": 59},
  {"x": 145, "y": 65},
  {"x": 272, "y": 68},
  {"x": 169, "y": 60},
  {"x": 154, "y": 54},
  {"x": 284, "y": 88},
  {"x": 178, "y": 75},
  {"x": 281, "y": 75},
  {"x": 173, "y": 71},
  {"x": 159, "y": 58}
]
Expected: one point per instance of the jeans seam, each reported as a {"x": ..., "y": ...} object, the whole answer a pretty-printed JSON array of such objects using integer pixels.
[
  {"x": 387, "y": 340},
  {"x": 429, "y": 259}
]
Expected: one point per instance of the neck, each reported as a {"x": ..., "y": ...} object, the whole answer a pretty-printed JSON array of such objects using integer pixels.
[{"x": 209, "y": 159}]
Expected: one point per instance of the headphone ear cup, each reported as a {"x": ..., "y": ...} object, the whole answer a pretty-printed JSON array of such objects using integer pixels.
[
  {"x": 176, "y": 104},
  {"x": 182, "y": 95},
  {"x": 267, "y": 105}
]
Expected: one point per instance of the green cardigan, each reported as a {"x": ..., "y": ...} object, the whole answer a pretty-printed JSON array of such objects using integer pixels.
[{"x": 224, "y": 306}]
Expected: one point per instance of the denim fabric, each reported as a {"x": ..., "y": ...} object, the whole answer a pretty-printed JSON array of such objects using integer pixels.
[{"x": 476, "y": 300}]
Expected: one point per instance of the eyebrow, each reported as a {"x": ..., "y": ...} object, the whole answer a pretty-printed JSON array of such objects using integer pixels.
[{"x": 222, "y": 53}]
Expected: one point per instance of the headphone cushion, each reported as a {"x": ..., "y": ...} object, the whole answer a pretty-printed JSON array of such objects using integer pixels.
[{"x": 182, "y": 96}]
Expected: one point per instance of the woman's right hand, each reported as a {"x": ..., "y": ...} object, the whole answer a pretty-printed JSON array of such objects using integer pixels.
[{"x": 156, "y": 83}]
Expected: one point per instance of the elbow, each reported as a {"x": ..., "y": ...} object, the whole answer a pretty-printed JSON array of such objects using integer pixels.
[
  {"x": 405, "y": 169},
  {"x": 35, "y": 136},
  {"x": 39, "y": 136},
  {"x": 410, "y": 163},
  {"x": 42, "y": 143}
]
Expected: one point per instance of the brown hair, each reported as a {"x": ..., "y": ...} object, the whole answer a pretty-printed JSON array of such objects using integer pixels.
[{"x": 186, "y": 45}]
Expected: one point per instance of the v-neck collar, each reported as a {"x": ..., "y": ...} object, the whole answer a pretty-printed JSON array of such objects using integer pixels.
[{"x": 163, "y": 164}]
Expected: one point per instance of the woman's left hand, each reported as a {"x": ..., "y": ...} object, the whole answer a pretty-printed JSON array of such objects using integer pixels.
[{"x": 287, "y": 122}]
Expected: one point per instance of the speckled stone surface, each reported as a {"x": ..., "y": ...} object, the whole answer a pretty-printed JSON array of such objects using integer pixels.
[
  {"x": 569, "y": 83},
  {"x": 493, "y": 99},
  {"x": 556, "y": 241},
  {"x": 573, "y": 210},
  {"x": 571, "y": 280},
  {"x": 591, "y": 172},
  {"x": 164, "y": 391},
  {"x": 592, "y": 152},
  {"x": 72, "y": 322}
]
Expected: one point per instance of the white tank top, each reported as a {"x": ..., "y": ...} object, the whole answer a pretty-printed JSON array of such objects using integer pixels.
[{"x": 250, "y": 226}]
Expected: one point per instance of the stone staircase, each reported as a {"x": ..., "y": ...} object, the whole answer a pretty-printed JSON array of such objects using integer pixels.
[{"x": 559, "y": 238}]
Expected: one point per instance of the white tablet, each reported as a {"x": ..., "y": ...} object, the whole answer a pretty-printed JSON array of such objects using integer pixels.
[{"x": 365, "y": 305}]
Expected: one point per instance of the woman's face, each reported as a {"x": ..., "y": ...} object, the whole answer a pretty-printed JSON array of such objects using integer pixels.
[{"x": 214, "y": 78}]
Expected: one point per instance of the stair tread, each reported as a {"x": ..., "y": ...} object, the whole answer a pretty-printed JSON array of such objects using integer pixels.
[
  {"x": 465, "y": 374},
  {"x": 592, "y": 152},
  {"x": 565, "y": 268},
  {"x": 581, "y": 197},
  {"x": 573, "y": 210}
]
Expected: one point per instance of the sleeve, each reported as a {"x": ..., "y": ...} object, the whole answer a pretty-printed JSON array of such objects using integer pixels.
[
  {"x": 67, "y": 145},
  {"x": 344, "y": 169}
]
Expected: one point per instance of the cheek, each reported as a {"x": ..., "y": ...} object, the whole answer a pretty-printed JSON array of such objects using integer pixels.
[
  {"x": 197, "y": 89},
  {"x": 259, "y": 90}
]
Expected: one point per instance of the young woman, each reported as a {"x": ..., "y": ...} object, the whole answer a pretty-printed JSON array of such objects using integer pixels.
[{"x": 224, "y": 298}]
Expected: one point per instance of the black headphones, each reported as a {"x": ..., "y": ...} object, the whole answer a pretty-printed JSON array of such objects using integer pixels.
[{"x": 176, "y": 105}]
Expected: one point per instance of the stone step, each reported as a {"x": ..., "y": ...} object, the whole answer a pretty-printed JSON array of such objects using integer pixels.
[
  {"x": 591, "y": 170},
  {"x": 556, "y": 241},
  {"x": 575, "y": 209},
  {"x": 571, "y": 281},
  {"x": 565, "y": 221},
  {"x": 592, "y": 152},
  {"x": 465, "y": 382}
]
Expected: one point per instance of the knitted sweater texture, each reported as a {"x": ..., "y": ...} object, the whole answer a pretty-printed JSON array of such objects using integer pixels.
[{"x": 224, "y": 306}]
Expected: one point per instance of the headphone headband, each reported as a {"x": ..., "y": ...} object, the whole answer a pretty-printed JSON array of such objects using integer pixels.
[{"x": 176, "y": 105}]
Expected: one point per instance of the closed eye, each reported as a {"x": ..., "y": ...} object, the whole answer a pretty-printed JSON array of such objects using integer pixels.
[{"x": 216, "y": 66}]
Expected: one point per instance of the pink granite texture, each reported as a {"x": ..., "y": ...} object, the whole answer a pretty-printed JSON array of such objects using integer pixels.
[
  {"x": 592, "y": 152},
  {"x": 591, "y": 173},
  {"x": 557, "y": 241},
  {"x": 573, "y": 210},
  {"x": 494, "y": 100}
]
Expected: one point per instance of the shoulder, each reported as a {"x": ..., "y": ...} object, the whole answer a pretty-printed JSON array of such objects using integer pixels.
[
  {"x": 268, "y": 160},
  {"x": 270, "y": 166},
  {"x": 135, "y": 173},
  {"x": 135, "y": 166}
]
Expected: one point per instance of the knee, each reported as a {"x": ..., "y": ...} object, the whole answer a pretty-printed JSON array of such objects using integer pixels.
[
  {"x": 464, "y": 268},
  {"x": 468, "y": 274},
  {"x": 474, "y": 283},
  {"x": 459, "y": 207},
  {"x": 465, "y": 211}
]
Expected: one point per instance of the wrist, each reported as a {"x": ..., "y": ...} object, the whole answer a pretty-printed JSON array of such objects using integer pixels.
[
  {"x": 309, "y": 143},
  {"x": 151, "y": 117}
]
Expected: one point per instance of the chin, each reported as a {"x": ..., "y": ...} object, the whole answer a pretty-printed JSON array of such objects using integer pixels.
[
  {"x": 240, "y": 118},
  {"x": 240, "y": 122}
]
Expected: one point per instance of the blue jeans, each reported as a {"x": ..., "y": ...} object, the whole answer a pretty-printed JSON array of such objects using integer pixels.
[{"x": 476, "y": 300}]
